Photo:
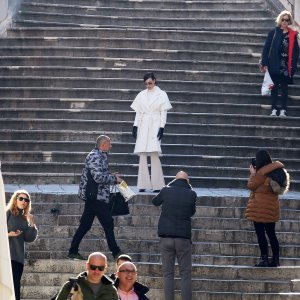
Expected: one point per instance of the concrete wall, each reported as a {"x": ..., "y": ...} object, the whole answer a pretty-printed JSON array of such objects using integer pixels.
[
  {"x": 275, "y": 6},
  {"x": 7, "y": 10}
]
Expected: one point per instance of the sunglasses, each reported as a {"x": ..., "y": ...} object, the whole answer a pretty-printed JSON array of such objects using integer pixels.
[
  {"x": 285, "y": 20},
  {"x": 23, "y": 199},
  {"x": 128, "y": 271},
  {"x": 94, "y": 267}
]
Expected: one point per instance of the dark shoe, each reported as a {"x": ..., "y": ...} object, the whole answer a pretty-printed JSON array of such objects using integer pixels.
[
  {"x": 274, "y": 262},
  {"x": 264, "y": 262},
  {"x": 156, "y": 191},
  {"x": 141, "y": 190},
  {"x": 75, "y": 256}
]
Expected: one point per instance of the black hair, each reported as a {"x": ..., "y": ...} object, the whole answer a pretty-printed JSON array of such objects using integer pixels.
[
  {"x": 149, "y": 75},
  {"x": 263, "y": 158},
  {"x": 124, "y": 257}
]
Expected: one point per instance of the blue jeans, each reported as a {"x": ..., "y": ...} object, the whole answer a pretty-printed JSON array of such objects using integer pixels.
[
  {"x": 172, "y": 248},
  {"x": 99, "y": 209}
]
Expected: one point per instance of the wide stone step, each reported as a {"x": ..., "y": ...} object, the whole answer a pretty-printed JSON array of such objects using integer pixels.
[
  {"x": 136, "y": 232},
  {"x": 75, "y": 169},
  {"x": 140, "y": 21},
  {"x": 142, "y": 12},
  {"x": 143, "y": 222},
  {"x": 184, "y": 5},
  {"x": 146, "y": 33},
  {"x": 33, "y": 23},
  {"x": 131, "y": 52},
  {"x": 35, "y": 269},
  {"x": 130, "y": 158},
  {"x": 219, "y": 199},
  {"x": 92, "y": 63},
  {"x": 90, "y": 136},
  {"x": 120, "y": 126},
  {"x": 122, "y": 83},
  {"x": 89, "y": 83},
  {"x": 213, "y": 285},
  {"x": 214, "y": 151},
  {"x": 133, "y": 43},
  {"x": 120, "y": 73},
  {"x": 48, "y": 246},
  {"x": 152, "y": 211},
  {"x": 79, "y": 97},
  {"x": 203, "y": 259},
  {"x": 178, "y": 106},
  {"x": 128, "y": 116}
]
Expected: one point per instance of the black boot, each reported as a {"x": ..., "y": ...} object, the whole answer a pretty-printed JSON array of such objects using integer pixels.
[
  {"x": 275, "y": 261},
  {"x": 264, "y": 262}
]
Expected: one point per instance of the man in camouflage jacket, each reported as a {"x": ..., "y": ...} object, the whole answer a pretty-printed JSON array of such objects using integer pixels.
[{"x": 94, "y": 190}]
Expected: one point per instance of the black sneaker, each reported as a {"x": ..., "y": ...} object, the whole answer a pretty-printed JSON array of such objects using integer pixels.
[{"x": 75, "y": 256}]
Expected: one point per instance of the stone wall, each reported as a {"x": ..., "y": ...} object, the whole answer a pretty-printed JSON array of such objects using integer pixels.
[{"x": 7, "y": 11}]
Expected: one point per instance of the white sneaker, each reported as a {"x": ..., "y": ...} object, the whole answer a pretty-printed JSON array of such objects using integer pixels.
[
  {"x": 274, "y": 113},
  {"x": 282, "y": 113}
]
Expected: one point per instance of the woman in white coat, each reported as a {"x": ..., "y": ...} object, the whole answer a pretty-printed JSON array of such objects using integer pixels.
[{"x": 151, "y": 106}]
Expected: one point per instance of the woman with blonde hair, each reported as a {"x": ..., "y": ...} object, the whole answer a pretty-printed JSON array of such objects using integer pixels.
[
  {"x": 21, "y": 228},
  {"x": 280, "y": 56}
]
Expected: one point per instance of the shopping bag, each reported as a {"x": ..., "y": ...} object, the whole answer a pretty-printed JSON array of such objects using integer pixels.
[
  {"x": 125, "y": 190},
  {"x": 267, "y": 85}
]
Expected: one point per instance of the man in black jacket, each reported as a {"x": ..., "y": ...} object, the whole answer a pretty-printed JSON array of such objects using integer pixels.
[{"x": 178, "y": 202}]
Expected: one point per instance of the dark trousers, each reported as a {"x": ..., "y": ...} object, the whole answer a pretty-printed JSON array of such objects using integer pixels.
[
  {"x": 17, "y": 271},
  {"x": 269, "y": 228},
  {"x": 92, "y": 209},
  {"x": 284, "y": 95},
  {"x": 172, "y": 248}
]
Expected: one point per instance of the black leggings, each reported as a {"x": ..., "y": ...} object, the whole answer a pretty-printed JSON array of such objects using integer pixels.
[
  {"x": 17, "y": 270},
  {"x": 269, "y": 228}
]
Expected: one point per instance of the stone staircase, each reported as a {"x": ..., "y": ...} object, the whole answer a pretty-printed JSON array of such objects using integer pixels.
[
  {"x": 224, "y": 248},
  {"x": 69, "y": 71}
]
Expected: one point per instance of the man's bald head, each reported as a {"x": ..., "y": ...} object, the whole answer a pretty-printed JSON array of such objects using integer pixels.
[{"x": 182, "y": 175}]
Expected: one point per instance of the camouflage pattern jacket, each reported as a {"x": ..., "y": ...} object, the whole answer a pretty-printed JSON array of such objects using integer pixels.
[{"x": 97, "y": 163}]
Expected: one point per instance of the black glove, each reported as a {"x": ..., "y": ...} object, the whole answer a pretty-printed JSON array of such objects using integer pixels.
[
  {"x": 134, "y": 132},
  {"x": 160, "y": 133}
]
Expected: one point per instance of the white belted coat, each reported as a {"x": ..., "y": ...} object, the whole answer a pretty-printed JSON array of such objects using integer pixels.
[{"x": 151, "y": 108}]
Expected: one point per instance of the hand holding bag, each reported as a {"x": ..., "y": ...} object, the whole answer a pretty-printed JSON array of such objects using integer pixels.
[
  {"x": 267, "y": 85},
  {"x": 117, "y": 203}
]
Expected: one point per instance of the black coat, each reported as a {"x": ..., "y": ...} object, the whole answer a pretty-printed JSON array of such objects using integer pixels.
[
  {"x": 271, "y": 52},
  {"x": 140, "y": 289},
  {"x": 178, "y": 202}
]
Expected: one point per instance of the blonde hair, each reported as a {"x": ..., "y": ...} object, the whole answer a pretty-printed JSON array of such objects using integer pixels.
[
  {"x": 281, "y": 15},
  {"x": 12, "y": 204}
]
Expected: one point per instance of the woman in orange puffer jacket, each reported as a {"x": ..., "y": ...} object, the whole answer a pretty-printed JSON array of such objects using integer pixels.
[{"x": 267, "y": 180}]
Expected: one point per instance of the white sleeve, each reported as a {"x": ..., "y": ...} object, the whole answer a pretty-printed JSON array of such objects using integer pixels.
[{"x": 138, "y": 118}]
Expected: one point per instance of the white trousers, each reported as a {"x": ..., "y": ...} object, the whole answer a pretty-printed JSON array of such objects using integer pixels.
[{"x": 157, "y": 180}]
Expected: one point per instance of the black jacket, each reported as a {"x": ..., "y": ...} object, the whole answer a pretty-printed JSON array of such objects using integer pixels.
[
  {"x": 271, "y": 52},
  {"x": 178, "y": 202},
  {"x": 140, "y": 289}
]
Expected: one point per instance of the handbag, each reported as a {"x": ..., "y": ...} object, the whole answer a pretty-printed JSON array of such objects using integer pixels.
[
  {"x": 117, "y": 203},
  {"x": 267, "y": 85}
]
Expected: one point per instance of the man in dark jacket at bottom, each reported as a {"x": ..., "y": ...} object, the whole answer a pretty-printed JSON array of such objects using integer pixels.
[{"x": 178, "y": 202}]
